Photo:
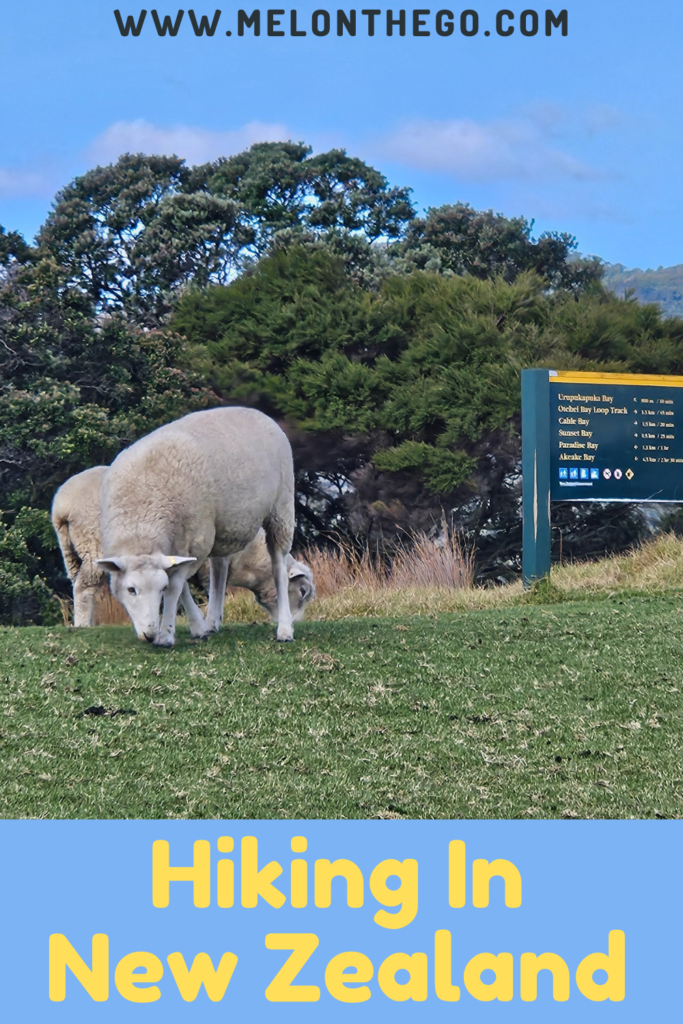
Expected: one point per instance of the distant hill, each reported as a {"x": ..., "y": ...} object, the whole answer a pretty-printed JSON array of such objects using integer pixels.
[{"x": 663, "y": 286}]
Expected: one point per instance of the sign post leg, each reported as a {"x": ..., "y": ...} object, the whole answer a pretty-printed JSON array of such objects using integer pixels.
[{"x": 535, "y": 475}]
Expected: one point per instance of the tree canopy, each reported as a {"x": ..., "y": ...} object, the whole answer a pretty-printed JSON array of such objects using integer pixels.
[
  {"x": 74, "y": 391},
  {"x": 461, "y": 240},
  {"x": 130, "y": 236},
  {"x": 280, "y": 185}
]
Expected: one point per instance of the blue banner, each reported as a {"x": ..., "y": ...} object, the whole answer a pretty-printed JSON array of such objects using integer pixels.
[{"x": 209, "y": 920}]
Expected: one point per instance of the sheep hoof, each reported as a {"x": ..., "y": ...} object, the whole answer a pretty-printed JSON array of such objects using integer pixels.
[
  {"x": 284, "y": 634},
  {"x": 164, "y": 643}
]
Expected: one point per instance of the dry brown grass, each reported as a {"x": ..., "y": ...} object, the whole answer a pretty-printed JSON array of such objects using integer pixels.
[
  {"x": 422, "y": 578},
  {"x": 655, "y": 565},
  {"x": 108, "y": 611},
  {"x": 447, "y": 564},
  {"x": 428, "y": 580},
  {"x": 339, "y": 568},
  {"x": 417, "y": 563},
  {"x": 358, "y": 602}
]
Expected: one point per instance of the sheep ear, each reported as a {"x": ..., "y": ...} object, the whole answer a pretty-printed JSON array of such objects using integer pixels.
[
  {"x": 295, "y": 571},
  {"x": 112, "y": 564},
  {"x": 172, "y": 561}
]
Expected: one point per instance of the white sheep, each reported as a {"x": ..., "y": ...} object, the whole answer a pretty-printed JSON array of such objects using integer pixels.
[
  {"x": 76, "y": 519},
  {"x": 200, "y": 487}
]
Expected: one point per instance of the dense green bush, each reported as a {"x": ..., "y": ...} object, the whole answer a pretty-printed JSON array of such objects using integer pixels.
[
  {"x": 25, "y": 549},
  {"x": 410, "y": 392}
]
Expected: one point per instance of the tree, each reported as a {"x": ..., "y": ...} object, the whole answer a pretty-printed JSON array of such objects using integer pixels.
[
  {"x": 281, "y": 186},
  {"x": 388, "y": 347},
  {"x": 461, "y": 240},
  {"x": 26, "y": 548},
  {"x": 73, "y": 393},
  {"x": 406, "y": 389},
  {"x": 130, "y": 235},
  {"x": 13, "y": 249}
]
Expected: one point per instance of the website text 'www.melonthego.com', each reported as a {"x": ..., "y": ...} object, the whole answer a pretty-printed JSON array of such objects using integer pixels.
[{"x": 368, "y": 22}]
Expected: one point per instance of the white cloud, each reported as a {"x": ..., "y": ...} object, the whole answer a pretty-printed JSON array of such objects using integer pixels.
[
  {"x": 195, "y": 145},
  {"x": 476, "y": 151},
  {"x": 16, "y": 183}
]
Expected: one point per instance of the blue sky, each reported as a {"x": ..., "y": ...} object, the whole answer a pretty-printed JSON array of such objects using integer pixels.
[{"x": 583, "y": 133}]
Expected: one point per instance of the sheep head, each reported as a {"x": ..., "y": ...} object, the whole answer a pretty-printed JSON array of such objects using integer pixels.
[
  {"x": 139, "y": 583},
  {"x": 301, "y": 590}
]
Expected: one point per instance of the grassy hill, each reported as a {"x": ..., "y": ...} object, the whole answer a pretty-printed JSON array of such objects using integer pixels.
[{"x": 566, "y": 702}]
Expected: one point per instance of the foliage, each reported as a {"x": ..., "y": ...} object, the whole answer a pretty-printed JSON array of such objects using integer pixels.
[
  {"x": 13, "y": 249},
  {"x": 389, "y": 346},
  {"x": 413, "y": 388},
  {"x": 24, "y": 594},
  {"x": 73, "y": 393},
  {"x": 129, "y": 235},
  {"x": 132, "y": 235},
  {"x": 460, "y": 240},
  {"x": 280, "y": 185}
]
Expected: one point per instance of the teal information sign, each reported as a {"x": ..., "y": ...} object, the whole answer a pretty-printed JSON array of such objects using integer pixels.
[
  {"x": 595, "y": 437},
  {"x": 615, "y": 437}
]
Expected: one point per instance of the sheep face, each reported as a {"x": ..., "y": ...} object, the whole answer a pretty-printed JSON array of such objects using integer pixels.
[
  {"x": 301, "y": 590},
  {"x": 139, "y": 582}
]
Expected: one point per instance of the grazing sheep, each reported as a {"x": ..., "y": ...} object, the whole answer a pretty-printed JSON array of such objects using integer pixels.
[
  {"x": 252, "y": 569},
  {"x": 200, "y": 487},
  {"x": 76, "y": 519}
]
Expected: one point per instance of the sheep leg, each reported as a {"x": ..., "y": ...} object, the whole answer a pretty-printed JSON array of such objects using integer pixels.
[
  {"x": 194, "y": 616},
  {"x": 285, "y": 629},
  {"x": 84, "y": 603},
  {"x": 166, "y": 635},
  {"x": 83, "y": 596},
  {"x": 219, "y": 577},
  {"x": 279, "y": 530}
]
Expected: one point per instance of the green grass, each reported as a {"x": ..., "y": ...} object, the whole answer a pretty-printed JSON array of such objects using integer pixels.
[{"x": 573, "y": 709}]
